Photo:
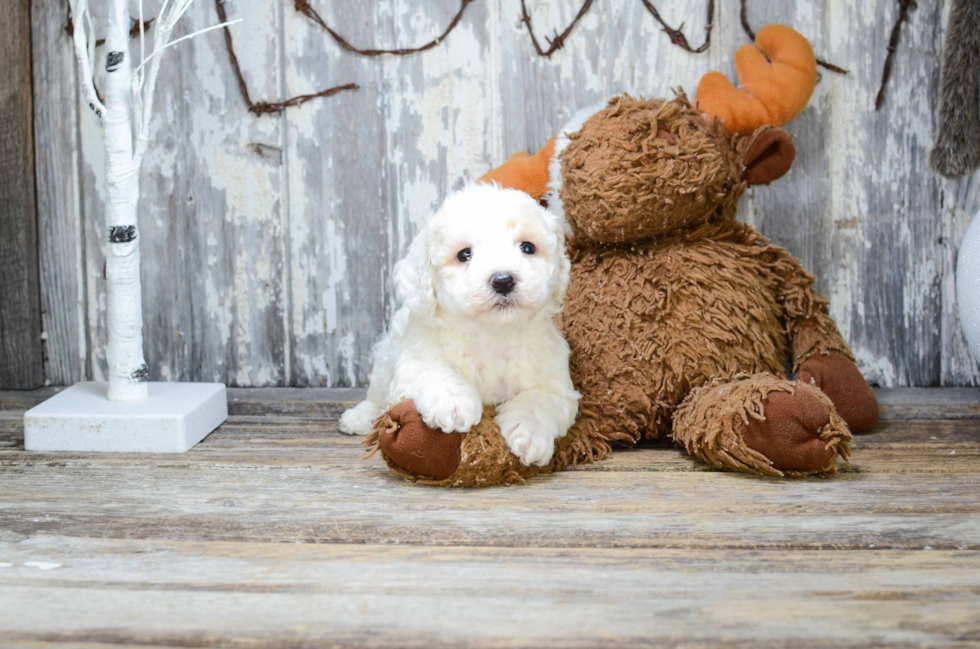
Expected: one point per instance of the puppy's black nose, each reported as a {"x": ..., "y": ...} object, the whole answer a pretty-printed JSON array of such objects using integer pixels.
[{"x": 503, "y": 283}]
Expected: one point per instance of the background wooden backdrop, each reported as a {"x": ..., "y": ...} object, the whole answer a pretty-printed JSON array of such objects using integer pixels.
[
  {"x": 21, "y": 354},
  {"x": 268, "y": 241}
]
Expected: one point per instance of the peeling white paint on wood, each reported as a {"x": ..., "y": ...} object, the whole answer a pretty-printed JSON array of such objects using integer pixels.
[{"x": 268, "y": 242}]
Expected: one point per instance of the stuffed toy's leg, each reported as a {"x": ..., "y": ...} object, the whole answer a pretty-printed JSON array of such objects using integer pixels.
[
  {"x": 479, "y": 458},
  {"x": 820, "y": 356},
  {"x": 762, "y": 424}
]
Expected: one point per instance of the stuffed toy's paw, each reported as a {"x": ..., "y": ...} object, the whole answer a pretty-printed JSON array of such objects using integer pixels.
[
  {"x": 411, "y": 445},
  {"x": 763, "y": 424},
  {"x": 840, "y": 379},
  {"x": 800, "y": 433},
  {"x": 479, "y": 458}
]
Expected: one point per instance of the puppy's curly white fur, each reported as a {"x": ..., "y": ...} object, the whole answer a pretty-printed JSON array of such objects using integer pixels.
[{"x": 480, "y": 287}]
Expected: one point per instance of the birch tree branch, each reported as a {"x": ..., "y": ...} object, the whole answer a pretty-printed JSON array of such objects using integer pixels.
[
  {"x": 145, "y": 75},
  {"x": 84, "y": 52}
]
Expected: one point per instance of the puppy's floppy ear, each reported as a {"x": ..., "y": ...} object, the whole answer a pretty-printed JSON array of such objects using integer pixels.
[
  {"x": 413, "y": 277},
  {"x": 563, "y": 266}
]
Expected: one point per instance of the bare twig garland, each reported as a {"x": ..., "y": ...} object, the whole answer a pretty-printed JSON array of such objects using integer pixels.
[
  {"x": 303, "y": 6},
  {"x": 905, "y": 7},
  {"x": 556, "y": 43},
  {"x": 677, "y": 35},
  {"x": 265, "y": 107},
  {"x": 745, "y": 22},
  {"x": 751, "y": 34}
]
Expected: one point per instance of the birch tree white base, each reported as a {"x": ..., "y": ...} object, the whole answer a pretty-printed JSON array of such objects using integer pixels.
[{"x": 172, "y": 419}]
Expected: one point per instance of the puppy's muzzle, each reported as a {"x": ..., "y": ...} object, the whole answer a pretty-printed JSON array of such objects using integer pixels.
[{"x": 503, "y": 283}]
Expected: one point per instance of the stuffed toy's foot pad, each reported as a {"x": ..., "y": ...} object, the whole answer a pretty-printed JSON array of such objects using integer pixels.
[
  {"x": 795, "y": 433},
  {"x": 842, "y": 382},
  {"x": 415, "y": 447}
]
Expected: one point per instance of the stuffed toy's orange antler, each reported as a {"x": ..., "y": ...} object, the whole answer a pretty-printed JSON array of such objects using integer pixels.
[
  {"x": 776, "y": 77},
  {"x": 528, "y": 173}
]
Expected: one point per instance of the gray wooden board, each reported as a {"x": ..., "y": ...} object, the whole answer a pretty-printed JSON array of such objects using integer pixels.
[
  {"x": 268, "y": 242},
  {"x": 236, "y": 594},
  {"x": 894, "y": 403},
  {"x": 58, "y": 214},
  {"x": 275, "y": 532},
  {"x": 21, "y": 356}
]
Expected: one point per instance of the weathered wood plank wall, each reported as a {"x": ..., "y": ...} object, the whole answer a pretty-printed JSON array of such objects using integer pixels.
[
  {"x": 268, "y": 240},
  {"x": 21, "y": 363}
]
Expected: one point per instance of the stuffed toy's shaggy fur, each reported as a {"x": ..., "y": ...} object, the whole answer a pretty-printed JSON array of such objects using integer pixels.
[{"x": 680, "y": 319}]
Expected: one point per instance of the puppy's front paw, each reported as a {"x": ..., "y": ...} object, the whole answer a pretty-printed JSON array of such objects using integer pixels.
[
  {"x": 450, "y": 408},
  {"x": 526, "y": 438},
  {"x": 359, "y": 420}
]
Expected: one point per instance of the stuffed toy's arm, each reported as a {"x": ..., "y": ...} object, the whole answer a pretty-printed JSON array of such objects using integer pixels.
[
  {"x": 810, "y": 328},
  {"x": 819, "y": 354}
]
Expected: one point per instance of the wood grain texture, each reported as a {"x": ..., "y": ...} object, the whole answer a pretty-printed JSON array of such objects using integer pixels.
[
  {"x": 21, "y": 355},
  {"x": 337, "y": 217},
  {"x": 896, "y": 404},
  {"x": 58, "y": 214},
  {"x": 911, "y": 484},
  {"x": 381, "y": 596},
  {"x": 274, "y": 532},
  {"x": 931, "y": 447},
  {"x": 269, "y": 241}
]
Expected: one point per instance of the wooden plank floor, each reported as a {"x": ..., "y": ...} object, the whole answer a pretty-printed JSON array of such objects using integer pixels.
[{"x": 273, "y": 532}]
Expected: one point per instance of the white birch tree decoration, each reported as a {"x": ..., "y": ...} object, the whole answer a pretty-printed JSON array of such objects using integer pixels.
[
  {"x": 125, "y": 117},
  {"x": 174, "y": 416}
]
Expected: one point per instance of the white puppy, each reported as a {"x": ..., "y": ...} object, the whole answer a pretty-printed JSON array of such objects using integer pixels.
[{"x": 480, "y": 287}]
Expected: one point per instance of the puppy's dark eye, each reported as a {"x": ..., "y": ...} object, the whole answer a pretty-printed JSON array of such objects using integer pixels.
[
  {"x": 465, "y": 254},
  {"x": 527, "y": 248}
]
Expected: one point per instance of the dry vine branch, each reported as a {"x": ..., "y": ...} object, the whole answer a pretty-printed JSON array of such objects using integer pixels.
[
  {"x": 745, "y": 22},
  {"x": 558, "y": 41},
  {"x": 905, "y": 7},
  {"x": 751, "y": 34},
  {"x": 677, "y": 35},
  {"x": 303, "y": 6},
  {"x": 265, "y": 107}
]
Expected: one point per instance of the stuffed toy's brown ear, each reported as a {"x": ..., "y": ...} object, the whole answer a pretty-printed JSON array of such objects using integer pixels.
[{"x": 768, "y": 157}]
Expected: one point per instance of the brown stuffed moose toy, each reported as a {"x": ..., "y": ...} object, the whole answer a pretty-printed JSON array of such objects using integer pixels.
[{"x": 681, "y": 320}]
